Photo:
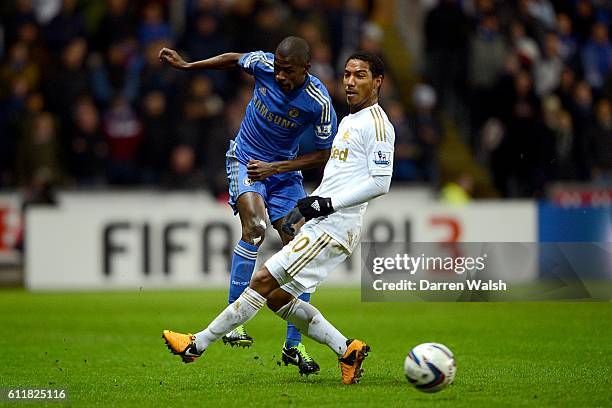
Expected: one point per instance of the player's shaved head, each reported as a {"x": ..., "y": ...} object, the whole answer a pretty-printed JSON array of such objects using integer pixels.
[
  {"x": 294, "y": 49},
  {"x": 291, "y": 63}
]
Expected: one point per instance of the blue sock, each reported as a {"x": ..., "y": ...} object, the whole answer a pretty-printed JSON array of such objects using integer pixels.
[
  {"x": 243, "y": 264},
  {"x": 294, "y": 337}
]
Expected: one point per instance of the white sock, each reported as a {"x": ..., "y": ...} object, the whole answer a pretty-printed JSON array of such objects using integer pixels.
[
  {"x": 239, "y": 312},
  {"x": 311, "y": 322}
]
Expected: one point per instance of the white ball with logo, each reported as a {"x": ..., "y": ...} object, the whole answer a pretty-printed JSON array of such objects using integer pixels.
[{"x": 430, "y": 367}]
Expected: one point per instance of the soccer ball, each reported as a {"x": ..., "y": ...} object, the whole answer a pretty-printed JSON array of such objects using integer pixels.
[{"x": 430, "y": 367}]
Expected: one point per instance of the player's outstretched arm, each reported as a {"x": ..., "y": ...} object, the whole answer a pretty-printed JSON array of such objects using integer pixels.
[
  {"x": 259, "y": 170},
  {"x": 224, "y": 61}
]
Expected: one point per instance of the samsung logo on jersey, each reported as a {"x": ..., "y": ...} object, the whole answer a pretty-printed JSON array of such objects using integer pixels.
[
  {"x": 271, "y": 116},
  {"x": 341, "y": 155}
]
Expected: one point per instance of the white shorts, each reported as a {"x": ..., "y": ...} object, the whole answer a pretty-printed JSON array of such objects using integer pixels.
[{"x": 304, "y": 262}]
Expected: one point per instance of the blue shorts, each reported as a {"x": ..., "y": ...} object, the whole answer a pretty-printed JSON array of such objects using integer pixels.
[{"x": 280, "y": 191}]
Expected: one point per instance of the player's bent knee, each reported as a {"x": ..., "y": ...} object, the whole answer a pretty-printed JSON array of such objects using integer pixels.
[
  {"x": 277, "y": 299},
  {"x": 254, "y": 232},
  {"x": 263, "y": 282}
]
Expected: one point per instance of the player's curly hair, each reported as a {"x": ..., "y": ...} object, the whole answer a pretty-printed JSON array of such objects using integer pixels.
[{"x": 377, "y": 66}]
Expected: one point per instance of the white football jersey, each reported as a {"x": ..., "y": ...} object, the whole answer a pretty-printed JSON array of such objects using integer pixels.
[{"x": 363, "y": 147}]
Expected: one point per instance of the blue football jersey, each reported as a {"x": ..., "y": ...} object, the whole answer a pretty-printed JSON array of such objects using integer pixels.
[{"x": 274, "y": 120}]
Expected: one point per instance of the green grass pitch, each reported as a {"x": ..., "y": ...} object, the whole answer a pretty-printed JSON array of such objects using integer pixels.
[{"x": 105, "y": 350}]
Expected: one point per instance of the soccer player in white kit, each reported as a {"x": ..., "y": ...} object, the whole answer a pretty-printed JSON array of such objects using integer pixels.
[{"x": 359, "y": 169}]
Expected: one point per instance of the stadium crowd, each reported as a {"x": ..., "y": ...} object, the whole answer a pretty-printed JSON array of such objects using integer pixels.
[{"x": 86, "y": 103}]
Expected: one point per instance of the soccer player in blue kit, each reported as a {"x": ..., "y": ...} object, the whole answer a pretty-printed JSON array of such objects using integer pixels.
[{"x": 262, "y": 164}]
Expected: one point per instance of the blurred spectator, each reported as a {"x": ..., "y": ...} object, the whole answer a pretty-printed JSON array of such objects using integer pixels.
[
  {"x": 534, "y": 27},
  {"x": 514, "y": 162},
  {"x": 504, "y": 87},
  {"x": 446, "y": 39},
  {"x": 582, "y": 116},
  {"x": 543, "y": 11},
  {"x": 321, "y": 63},
  {"x": 38, "y": 151},
  {"x": 487, "y": 56},
  {"x": 157, "y": 125},
  {"x": 584, "y": 18},
  {"x": 202, "y": 110},
  {"x": 20, "y": 65},
  {"x": 22, "y": 13},
  {"x": 206, "y": 40},
  {"x": 123, "y": 132},
  {"x": 241, "y": 15},
  {"x": 29, "y": 34},
  {"x": 492, "y": 133},
  {"x": 607, "y": 88},
  {"x": 88, "y": 148},
  {"x": 153, "y": 26},
  {"x": 564, "y": 165},
  {"x": 565, "y": 90},
  {"x": 202, "y": 105},
  {"x": 269, "y": 28},
  {"x": 599, "y": 143},
  {"x": 525, "y": 47},
  {"x": 116, "y": 25},
  {"x": 459, "y": 191},
  {"x": 371, "y": 39},
  {"x": 156, "y": 76},
  {"x": 597, "y": 56},
  {"x": 547, "y": 69},
  {"x": 40, "y": 191},
  {"x": 406, "y": 148},
  {"x": 236, "y": 107},
  {"x": 70, "y": 81},
  {"x": 183, "y": 173},
  {"x": 66, "y": 25},
  {"x": 14, "y": 115},
  {"x": 46, "y": 9},
  {"x": 567, "y": 41},
  {"x": 347, "y": 21},
  {"x": 427, "y": 129},
  {"x": 118, "y": 74},
  {"x": 312, "y": 33},
  {"x": 213, "y": 156},
  {"x": 487, "y": 53},
  {"x": 549, "y": 135},
  {"x": 13, "y": 104},
  {"x": 303, "y": 10},
  {"x": 582, "y": 104}
]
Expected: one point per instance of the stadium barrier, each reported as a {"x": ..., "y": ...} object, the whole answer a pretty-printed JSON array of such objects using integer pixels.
[{"x": 151, "y": 240}]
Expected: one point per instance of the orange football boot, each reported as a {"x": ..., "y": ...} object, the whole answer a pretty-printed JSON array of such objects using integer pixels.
[
  {"x": 350, "y": 362},
  {"x": 182, "y": 345}
]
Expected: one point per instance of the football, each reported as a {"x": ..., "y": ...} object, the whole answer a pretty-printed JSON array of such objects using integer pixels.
[{"x": 430, "y": 367}]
